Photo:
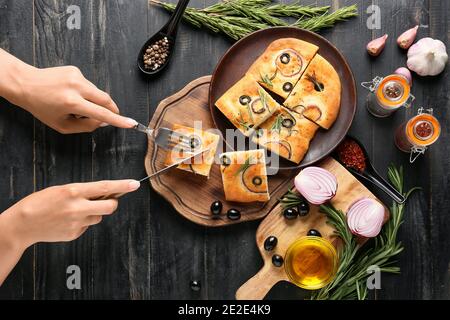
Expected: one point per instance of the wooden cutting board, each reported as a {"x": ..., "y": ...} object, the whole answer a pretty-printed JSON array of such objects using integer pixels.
[
  {"x": 190, "y": 194},
  {"x": 287, "y": 231}
]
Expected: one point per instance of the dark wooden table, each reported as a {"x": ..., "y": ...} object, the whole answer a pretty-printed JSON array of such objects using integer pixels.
[{"x": 146, "y": 250}]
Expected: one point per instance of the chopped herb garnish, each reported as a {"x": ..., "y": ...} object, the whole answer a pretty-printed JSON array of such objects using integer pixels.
[
  {"x": 317, "y": 85},
  {"x": 262, "y": 96},
  {"x": 276, "y": 126},
  {"x": 266, "y": 80},
  {"x": 244, "y": 166}
]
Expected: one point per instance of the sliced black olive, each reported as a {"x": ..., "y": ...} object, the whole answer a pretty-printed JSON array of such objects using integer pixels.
[
  {"x": 195, "y": 285},
  {"x": 319, "y": 86},
  {"x": 225, "y": 161},
  {"x": 194, "y": 142},
  {"x": 287, "y": 87},
  {"x": 285, "y": 58},
  {"x": 244, "y": 99},
  {"x": 287, "y": 123},
  {"x": 258, "y": 109},
  {"x": 277, "y": 260},
  {"x": 303, "y": 208},
  {"x": 257, "y": 181},
  {"x": 314, "y": 233},
  {"x": 270, "y": 243},
  {"x": 233, "y": 214},
  {"x": 290, "y": 213},
  {"x": 216, "y": 207}
]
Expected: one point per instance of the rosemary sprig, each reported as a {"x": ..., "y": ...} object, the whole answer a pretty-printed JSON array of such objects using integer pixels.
[
  {"x": 262, "y": 96},
  {"x": 312, "y": 78},
  {"x": 266, "y": 80},
  {"x": 238, "y": 18},
  {"x": 276, "y": 126},
  {"x": 351, "y": 278},
  {"x": 244, "y": 166},
  {"x": 327, "y": 20},
  {"x": 350, "y": 281}
]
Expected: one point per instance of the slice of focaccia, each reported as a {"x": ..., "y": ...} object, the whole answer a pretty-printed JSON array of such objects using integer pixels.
[
  {"x": 318, "y": 93},
  {"x": 288, "y": 134},
  {"x": 244, "y": 176},
  {"x": 282, "y": 64},
  {"x": 247, "y": 105},
  {"x": 198, "y": 140}
]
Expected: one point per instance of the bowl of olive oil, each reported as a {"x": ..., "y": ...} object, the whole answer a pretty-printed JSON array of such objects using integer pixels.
[{"x": 311, "y": 262}]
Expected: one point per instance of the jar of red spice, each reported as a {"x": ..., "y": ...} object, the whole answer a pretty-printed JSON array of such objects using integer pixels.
[{"x": 416, "y": 134}]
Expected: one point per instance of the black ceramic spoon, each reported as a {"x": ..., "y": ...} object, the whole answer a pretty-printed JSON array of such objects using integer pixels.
[
  {"x": 169, "y": 30},
  {"x": 371, "y": 175}
]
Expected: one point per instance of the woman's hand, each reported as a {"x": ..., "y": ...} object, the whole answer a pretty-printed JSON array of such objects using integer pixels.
[
  {"x": 60, "y": 213},
  {"x": 63, "y": 213},
  {"x": 60, "y": 97}
]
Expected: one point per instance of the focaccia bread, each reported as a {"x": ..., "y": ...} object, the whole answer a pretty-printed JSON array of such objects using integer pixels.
[
  {"x": 288, "y": 134},
  {"x": 247, "y": 105},
  {"x": 318, "y": 93},
  {"x": 282, "y": 64},
  {"x": 198, "y": 140},
  {"x": 244, "y": 176}
]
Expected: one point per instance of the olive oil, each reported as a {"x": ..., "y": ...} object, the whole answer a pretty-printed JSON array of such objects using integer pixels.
[{"x": 311, "y": 262}]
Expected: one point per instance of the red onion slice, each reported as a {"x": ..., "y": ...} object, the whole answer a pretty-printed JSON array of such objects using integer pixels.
[
  {"x": 316, "y": 184},
  {"x": 365, "y": 217}
]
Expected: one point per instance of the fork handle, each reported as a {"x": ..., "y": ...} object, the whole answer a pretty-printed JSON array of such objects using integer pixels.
[{"x": 140, "y": 127}]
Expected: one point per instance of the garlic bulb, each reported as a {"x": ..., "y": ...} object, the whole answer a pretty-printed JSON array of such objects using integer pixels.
[{"x": 427, "y": 57}]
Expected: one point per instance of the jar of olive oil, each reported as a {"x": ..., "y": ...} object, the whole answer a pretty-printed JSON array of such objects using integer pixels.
[
  {"x": 388, "y": 94},
  {"x": 311, "y": 262}
]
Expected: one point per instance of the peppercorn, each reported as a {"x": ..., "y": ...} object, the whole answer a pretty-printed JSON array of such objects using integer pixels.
[{"x": 156, "y": 54}]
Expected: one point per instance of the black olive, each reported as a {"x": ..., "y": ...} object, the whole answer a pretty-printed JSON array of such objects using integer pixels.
[
  {"x": 233, "y": 214},
  {"x": 287, "y": 123},
  {"x": 287, "y": 87},
  {"x": 195, "y": 285},
  {"x": 257, "y": 181},
  {"x": 225, "y": 161},
  {"x": 318, "y": 86},
  {"x": 277, "y": 260},
  {"x": 216, "y": 207},
  {"x": 194, "y": 142},
  {"x": 270, "y": 243},
  {"x": 314, "y": 233},
  {"x": 244, "y": 100},
  {"x": 254, "y": 107},
  {"x": 303, "y": 208},
  {"x": 290, "y": 213},
  {"x": 285, "y": 58}
]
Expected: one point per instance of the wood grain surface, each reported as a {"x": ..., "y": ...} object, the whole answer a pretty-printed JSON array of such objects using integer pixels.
[{"x": 146, "y": 250}]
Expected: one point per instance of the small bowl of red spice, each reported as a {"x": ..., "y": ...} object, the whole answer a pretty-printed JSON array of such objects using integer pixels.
[{"x": 352, "y": 155}]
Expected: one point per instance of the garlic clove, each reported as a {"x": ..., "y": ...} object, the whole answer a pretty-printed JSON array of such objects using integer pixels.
[
  {"x": 377, "y": 45},
  {"x": 404, "y": 72},
  {"x": 427, "y": 57},
  {"x": 406, "y": 39}
]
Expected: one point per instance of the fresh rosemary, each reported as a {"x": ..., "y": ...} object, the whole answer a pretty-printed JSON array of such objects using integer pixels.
[
  {"x": 238, "y": 18},
  {"x": 266, "y": 80},
  {"x": 262, "y": 96},
  {"x": 276, "y": 126},
  {"x": 350, "y": 281},
  {"x": 317, "y": 85},
  {"x": 244, "y": 166}
]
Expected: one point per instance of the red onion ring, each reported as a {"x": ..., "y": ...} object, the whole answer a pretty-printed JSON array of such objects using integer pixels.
[
  {"x": 316, "y": 185},
  {"x": 365, "y": 217}
]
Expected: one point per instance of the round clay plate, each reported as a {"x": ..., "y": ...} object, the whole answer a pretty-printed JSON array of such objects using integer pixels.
[{"x": 243, "y": 53}]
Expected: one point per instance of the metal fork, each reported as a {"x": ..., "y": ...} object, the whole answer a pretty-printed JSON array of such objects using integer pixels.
[{"x": 166, "y": 138}]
